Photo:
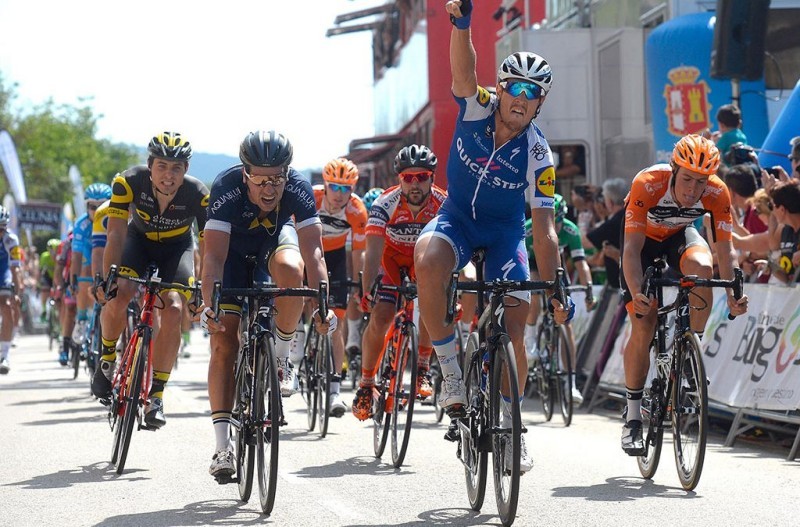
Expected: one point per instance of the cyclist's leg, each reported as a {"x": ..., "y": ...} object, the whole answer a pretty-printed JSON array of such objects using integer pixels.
[
  {"x": 696, "y": 259},
  {"x": 534, "y": 310},
  {"x": 6, "y": 327},
  {"x": 336, "y": 262},
  {"x": 67, "y": 325},
  {"x": 221, "y": 387},
  {"x": 371, "y": 346},
  {"x": 469, "y": 301},
  {"x": 286, "y": 268}
]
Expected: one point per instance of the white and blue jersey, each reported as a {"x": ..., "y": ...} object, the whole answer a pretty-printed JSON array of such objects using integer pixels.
[
  {"x": 10, "y": 253},
  {"x": 486, "y": 186},
  {"x": 82, "y": 238}
]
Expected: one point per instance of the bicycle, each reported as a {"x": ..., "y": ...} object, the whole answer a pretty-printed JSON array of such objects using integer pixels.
[
  {"x": 550, "y": 373},
  {"x": 258, "y": 410},
  {"x": 131, "y": 382},
  {"x": 436, "y": 373},
  {"x": 53, "y": 323},
  {"x": 491, "y": 372},
  {"x": 314, "y": 377},
  {"x": 397, "y": 387},
  {"x": 679, "y": 391}
]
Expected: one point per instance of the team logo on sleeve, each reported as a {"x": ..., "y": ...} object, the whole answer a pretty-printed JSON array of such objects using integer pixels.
[
  {"x": 546, "y": 183},
  {"x": 483, "y": 96}
]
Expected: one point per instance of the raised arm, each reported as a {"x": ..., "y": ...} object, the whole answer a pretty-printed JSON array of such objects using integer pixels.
[{"x": 462, "y": 52}]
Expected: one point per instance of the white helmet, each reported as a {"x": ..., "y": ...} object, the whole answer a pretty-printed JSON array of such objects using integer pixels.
[{"x": 527, "y": 66}]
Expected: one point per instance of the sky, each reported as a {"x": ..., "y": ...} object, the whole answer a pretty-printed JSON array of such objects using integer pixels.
[{"x": 212, "y": 70}]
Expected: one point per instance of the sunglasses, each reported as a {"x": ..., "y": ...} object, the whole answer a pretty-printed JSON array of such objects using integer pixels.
[
  {"x": 344, "y": 189},
  {"x": 92, "y": 206},
  {"x": 265, "y": 181},
  {"x": 516, "y": 88},
  {"x": 419, "y": 177}
]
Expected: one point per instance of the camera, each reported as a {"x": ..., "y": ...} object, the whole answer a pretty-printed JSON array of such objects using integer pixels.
[{"x": 774, "y": 171}]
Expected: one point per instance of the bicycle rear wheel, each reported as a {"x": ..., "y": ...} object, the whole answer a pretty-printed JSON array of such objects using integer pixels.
[
  {"x": 132, "y": 397},
  {"x": 306, "y": 374},
  {"x": 380, "y": 418},
  {"x": 243, "y": 439},
  {"x": 506, "y": 436},
  {"x": 266, "y": 422},
  {"x": 690, "y": 412},
  {"x": 323, "y": 371},
  {"x": 653, "y": 408},
  {"x": 543, "y": 381},
  {"x": 404, "y": 393},
  {"x": 474, "y": 458},
  {"x": 563, "y": 384}
]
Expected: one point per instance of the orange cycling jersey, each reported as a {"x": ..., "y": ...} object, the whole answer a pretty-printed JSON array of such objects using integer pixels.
[
  {"x": 391, "y": 218},
  {"x": 337, "y": 225},
  {"x": 651, "y": 209}
]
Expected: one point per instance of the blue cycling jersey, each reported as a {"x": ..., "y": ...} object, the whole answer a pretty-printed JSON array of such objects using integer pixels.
[
  {"x": 487, "y": 182},
  {"x": 10, "y": 253},
  {"x": 82, "y": 238}
]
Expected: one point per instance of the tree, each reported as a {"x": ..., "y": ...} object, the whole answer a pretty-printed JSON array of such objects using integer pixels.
[{"x": 51, "y": 137}]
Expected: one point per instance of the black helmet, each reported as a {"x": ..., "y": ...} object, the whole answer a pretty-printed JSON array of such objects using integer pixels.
[
  {"x": 266, "y": 149},
  {"x": 170, "y": 145},
  {"x": 415, "y": 156}
]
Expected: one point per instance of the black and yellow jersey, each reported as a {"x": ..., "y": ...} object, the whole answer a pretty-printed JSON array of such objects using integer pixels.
[{"x": 133, "y": 191}]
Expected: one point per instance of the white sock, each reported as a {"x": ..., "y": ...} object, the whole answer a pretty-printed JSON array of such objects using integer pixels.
[
  {"x": 353, "y": 338},
  {"x": 283, "y": 344},
  {"x": 4, "y": 347},
  {"x": 464, "y": 328},
  {"x": 222, "y": 430},
  {"x": 448, "y": 356}
]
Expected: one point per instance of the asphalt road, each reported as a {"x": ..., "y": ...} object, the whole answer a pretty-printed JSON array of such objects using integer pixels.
[{"x": 55, "y": 443}]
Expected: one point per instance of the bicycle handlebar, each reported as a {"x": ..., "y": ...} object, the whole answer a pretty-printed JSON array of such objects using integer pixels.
[{"x": 268, "y": 290}]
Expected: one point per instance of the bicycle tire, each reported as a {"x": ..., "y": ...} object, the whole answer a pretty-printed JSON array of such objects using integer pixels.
[
  {"x": 506, "y": 482},
  {"x": 94, "y": 351},
  {"x": 476, "y": 465},
  {"x": 266, "y": 420},
  {"x": 402, "y": 414},
  {"x": 75, "y": 359},
  {"x": 690, "y": 412},
  {"x": 243, "y": 440},
  {"x": 380, "y": 418},
  {"x": 133, "y": 396},
  {"x": 653, "y": 406},
  {"x": 307, "y": 378},
  {"x": 52, "y": 325},
  {"x": 323, "y": 383},
  {"x": 543, "y": 381},
  {"x": 564, "y": 377}
]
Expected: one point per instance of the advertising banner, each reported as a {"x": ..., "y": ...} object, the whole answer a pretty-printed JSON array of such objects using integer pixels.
[{"x": 39, "y": 216}]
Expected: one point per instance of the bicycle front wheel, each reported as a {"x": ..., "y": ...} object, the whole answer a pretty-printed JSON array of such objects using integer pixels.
[
  {"x": 266, "y": 422},
  {"x": 323, "y": 372},
  {"x": 690, "y": 411},
  {"x": 404, "y": 393},
  {"x": 563, "y": 377},
  {"x": 544, "y": 383},
  {"x": 653, "y": 408},
  {"x": 380, "y": 418},
  {"x": 131, "y": 398},
  {"x": 506, "y": 431},
  {"x": 306, "y": 378},
  {"x": 243, "y": 439},
  {"x": 474, "y": 458}
]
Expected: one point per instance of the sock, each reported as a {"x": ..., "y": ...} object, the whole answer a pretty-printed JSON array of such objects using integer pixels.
[
  {"x": 447, "y": 355},
  {"x": 4, "y": 347},
  {"x": 160, "y": 379},
  {"x": 186, "y": 337},
  {"x": 505, "y": 415},
  {"x": 283, "y": 343},
  {"x": 634, "y": 398},
  {"x": 222, "y": 429},
  {"x": 367, "y": 379},
  {"x": 335, "y": 380},
  {"x": 424, "y": 359},
  {"x": 109, "y": 350},
  {"x": 530, "y": 339},
  {"x": 83, "y": 314},
  {"x": 464, "y": 327},
  {"x": 700, "y": 335},
  {"x": 353, "y": 337},
  {"x": 574, "y": 380},
  {"x": 67, "y": 344}
]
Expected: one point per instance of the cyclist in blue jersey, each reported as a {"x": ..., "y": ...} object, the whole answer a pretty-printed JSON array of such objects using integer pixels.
[
  {"x": 497, "y": 154},
  {"x": 81, "y": 264},
  {"x": 10, "y": 286},
  {"x": 251, "y": 212}
]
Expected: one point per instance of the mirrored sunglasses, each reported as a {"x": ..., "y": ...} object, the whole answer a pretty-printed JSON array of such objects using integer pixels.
[
  {"x": 420, "y": 177},
  {"x": 264, "y": 181},
  {"x": 516, "y": 88},
  {"x": 340, "y": 188}
]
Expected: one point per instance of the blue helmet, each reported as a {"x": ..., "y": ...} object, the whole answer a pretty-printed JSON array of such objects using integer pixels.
[
  {"x": 370, "y": 196},
  {"x": 97, "y": 192}
]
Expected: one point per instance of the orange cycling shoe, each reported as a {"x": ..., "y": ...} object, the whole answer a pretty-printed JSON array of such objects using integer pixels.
[
  {"x": 362, "y": 403},
  {"x": 424, "y": 388}
]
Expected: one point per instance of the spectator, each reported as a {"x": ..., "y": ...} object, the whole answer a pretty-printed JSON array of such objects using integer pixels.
[
  {"x": 607, "y": 235},
  {"x": 729, "y": 120},
  {"x": 794, "y": 158},
  {"x": 742, "y": 186}
]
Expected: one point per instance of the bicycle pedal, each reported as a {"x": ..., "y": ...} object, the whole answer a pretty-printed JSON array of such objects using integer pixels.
[
  {"x": 452, "y": 434},
  {"x": 104, "y": 401},
  {"x": 225, "y": 479},
  {"x": 457, "y": 411}
]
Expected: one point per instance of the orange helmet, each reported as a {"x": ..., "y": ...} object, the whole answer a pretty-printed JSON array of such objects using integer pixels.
[
  {"x": 697, "y": 154},
  {"x": 340, "y": 171}
]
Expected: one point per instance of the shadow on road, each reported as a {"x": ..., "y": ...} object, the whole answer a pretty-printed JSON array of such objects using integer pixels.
[
  {"x": 623, "y": 489},
  {"x": 447, "y": 517},
  {"x": 214, "y": 512},
  {"x": 353, "y": 466},
  {"x": 87, "y": 474}
]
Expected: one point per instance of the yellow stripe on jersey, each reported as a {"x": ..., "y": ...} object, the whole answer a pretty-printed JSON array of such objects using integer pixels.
[{"x": 160, "y": 235}]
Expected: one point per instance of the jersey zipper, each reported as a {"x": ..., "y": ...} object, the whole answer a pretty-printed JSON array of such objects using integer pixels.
[{"x": 483, "y": 174}]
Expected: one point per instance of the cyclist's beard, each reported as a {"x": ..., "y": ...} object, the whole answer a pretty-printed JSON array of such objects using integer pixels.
[{"x": 416, "y": 198}]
